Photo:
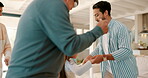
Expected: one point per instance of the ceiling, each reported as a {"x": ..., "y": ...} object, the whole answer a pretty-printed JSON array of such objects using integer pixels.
[{"x": 121, "y": 9}]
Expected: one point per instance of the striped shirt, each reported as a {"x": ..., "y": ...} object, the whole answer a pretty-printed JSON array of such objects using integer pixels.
[{"x": 124, "y": 65}]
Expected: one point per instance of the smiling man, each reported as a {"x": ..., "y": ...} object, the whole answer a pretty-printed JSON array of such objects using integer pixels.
[
  {"x": 44, "y": 36},
  {"x": 114, "y": 50}
]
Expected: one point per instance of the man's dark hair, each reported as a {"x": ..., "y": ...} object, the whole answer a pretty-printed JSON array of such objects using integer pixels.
[
  {"x": 103, "y": 6},
  {"x": 1, "y": 4}
]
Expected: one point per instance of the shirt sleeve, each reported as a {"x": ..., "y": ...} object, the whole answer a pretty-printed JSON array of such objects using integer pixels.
[
  {"x": 78, "y": 69},
  {"x": 124, "y": 45},
  {"x": 56, "y": 24},
  {"x": 7, "y": 46}
]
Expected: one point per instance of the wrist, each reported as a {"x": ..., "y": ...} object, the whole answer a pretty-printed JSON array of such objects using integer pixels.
[
  {"x": 105, "y": 58},
  {"x": 109, "y": 57}
]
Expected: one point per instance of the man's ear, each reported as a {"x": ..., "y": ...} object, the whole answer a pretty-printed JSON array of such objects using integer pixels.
[{"x": 106, "y": 13}]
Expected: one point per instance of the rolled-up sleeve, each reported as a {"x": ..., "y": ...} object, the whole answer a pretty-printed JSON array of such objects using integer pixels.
[{"x": 124, "y": 46}]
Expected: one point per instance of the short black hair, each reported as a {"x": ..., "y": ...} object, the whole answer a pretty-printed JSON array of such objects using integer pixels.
[
  {"x": 1, "y": 4},
  {"x": 103, "y": 6}
]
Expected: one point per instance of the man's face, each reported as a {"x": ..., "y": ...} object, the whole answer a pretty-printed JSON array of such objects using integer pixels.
[
  {"x": 98, "y": 15},
  {"x": 1, "y": 9}
]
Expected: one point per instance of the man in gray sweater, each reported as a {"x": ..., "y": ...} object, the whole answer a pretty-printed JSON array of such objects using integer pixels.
[{"x": 44, "y": 36}]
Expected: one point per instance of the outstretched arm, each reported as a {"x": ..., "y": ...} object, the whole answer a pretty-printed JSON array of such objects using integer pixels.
[
  {"x": 78, "y": 69},
  {"x": 99, "y": 58}
]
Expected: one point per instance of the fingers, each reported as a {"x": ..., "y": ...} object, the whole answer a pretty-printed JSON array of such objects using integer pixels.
[
  {"x": 96, "y": 59},
  {"x": 93, "y": 57},
  {"x": 6, "y": 61},
  {"x": 67, "y": 58},
  {"x": 92, "y": 61},
  {"x": 85, "y": 60},
  {"x": 104, "y": 25}
]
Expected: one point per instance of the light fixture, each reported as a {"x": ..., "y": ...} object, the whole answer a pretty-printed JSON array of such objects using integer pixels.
[{"x": 145, "y": 30}]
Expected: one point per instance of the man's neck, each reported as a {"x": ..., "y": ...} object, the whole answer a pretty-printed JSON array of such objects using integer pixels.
[{"x": 109, "y": 18}]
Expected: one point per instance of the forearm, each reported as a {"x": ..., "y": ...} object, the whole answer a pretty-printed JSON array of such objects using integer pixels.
[
  {"x": 122, "y": 54},
  {"x": 83, "y": 68},
  {"x": 79, "y": 69},
  {"x": 83, "y": 41}
]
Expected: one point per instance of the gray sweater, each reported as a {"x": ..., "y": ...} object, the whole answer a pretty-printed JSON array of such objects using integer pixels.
[{"x": 44, "y": 35}]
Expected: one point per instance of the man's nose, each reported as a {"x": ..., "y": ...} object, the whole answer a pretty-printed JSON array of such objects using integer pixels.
[{"x": 97, "y": 19}]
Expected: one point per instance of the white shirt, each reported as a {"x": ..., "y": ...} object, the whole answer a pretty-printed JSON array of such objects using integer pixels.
[
  {"x": 77, "y": 69},
  {"x": 105, "y": 48}
]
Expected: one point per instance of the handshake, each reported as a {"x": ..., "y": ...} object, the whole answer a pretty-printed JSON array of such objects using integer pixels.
[
  {"x": 93, "y": 59},
  {"x": 98, "y": 58},
  {"x": 86, "y": 64}
]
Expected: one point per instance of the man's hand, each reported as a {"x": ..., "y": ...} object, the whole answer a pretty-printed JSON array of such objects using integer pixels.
[
  {"x": 86, "y": 59},
  {"x": 7, "y": 59},
  {"x": 104, "y": 25},
  {"x": 96, "y": 59}
]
